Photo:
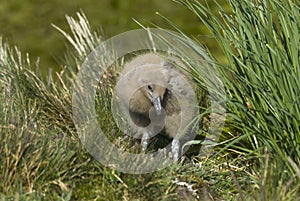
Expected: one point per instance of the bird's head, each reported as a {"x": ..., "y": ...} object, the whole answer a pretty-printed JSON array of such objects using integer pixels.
[
  {"x": 149, "y": 78},
  {"x": 154, "y": 82}
]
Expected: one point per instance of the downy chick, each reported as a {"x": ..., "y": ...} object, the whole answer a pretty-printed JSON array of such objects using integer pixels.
[{"x": 146, "y": 92}]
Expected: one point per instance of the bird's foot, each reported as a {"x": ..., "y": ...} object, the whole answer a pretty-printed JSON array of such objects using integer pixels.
[
  {"x": 145, "y": 141},
  {"x": 175, "y": 150}
]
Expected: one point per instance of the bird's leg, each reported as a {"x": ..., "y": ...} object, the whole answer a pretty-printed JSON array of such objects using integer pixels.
[
  {"x": 145, "y": 139},
  {"x": 175, "y": 149}
]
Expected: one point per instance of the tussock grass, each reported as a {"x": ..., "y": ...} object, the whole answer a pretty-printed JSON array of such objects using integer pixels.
[
  {"x": 261, "y": 42},
  {"x": 41, "y": 157}
]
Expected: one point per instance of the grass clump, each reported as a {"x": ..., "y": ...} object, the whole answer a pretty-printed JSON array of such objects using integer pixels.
[
  {"x": 261, "y": 43},
  {"x": 260, "y": 40}
]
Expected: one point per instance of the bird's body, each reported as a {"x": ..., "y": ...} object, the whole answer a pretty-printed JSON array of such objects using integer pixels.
[{"x": 156, "y": 97}]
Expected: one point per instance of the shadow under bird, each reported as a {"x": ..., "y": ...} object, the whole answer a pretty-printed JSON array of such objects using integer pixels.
[{"x": 156, "y": 96}]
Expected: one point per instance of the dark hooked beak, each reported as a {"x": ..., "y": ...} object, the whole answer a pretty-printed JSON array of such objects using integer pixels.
[{"x": 157, "y": 105}]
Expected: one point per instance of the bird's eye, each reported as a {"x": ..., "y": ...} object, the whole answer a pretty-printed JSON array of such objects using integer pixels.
[{"x": 150, "y": 88}]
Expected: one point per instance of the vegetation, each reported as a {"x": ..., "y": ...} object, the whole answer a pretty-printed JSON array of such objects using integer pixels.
[
  {"x": 25, "y": 22},
  {"x": 257, "y": 157}
]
